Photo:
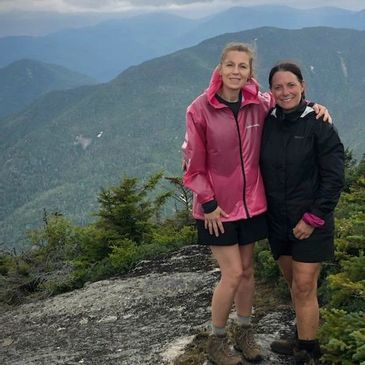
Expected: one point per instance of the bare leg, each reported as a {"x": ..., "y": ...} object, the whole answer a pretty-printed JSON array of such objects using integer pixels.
[
  {"x": 286, "y": 267},
  {"x": 229, "y": 261},
  {"x": 246, "y": 290},
  {"x": 244, "y": 334},
  {"x": 304, "y": 289}
]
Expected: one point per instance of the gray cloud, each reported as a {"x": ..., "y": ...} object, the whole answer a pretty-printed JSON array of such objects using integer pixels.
[
  {"x": 167, "y": 2},
  {"x": 130, "y": 5},
  {"x": 92, "y": 5},
  {"x": 95, "y": 4}
]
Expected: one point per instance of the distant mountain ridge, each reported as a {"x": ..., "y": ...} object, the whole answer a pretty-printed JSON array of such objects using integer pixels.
[
  {"x": 58, "y": 152},
  {"x": 104, "y": 50},
  {"x": 285, "y": 17},
  {"x": 25, "y": 80}
]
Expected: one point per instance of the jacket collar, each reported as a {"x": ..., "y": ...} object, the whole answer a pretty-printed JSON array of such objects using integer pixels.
[
  {"x": 300, "y": 112},
  {"x": 249, "y": 91}
]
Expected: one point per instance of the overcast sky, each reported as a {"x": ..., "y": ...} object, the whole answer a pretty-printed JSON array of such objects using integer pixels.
[
  {"x": 40, "y": 17},
  {"x": 184, "y": 6}
]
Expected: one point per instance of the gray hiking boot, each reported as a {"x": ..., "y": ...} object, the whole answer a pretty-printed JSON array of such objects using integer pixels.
[
  {"x": 244, "y": 341},
  {"x": 221, "y": 353}
]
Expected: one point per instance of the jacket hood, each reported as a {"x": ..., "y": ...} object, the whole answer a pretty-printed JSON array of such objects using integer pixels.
[{"x": 250, "y": 91}]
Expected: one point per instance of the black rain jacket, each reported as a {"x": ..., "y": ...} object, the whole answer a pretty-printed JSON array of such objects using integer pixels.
[{"x": 302, "y": 163}]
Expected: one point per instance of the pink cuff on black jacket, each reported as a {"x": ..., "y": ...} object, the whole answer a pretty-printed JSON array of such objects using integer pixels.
[{"x": 313, "y": 220}]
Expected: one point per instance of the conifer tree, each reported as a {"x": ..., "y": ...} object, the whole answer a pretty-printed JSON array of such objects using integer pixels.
[{"x": 127, "y": 211}]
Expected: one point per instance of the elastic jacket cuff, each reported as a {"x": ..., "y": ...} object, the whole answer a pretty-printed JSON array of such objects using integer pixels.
[
  {"x": 313, "y": 220},
  {"x": 210, "y": 206}
]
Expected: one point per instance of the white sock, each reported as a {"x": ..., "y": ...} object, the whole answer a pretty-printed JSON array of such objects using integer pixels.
[
  {"x": 243, "y": 320},
  {"x": 218, "y": 331}
]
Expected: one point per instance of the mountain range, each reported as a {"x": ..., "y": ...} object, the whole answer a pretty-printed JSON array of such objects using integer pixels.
[
  {"x": 24, "y": 81},
  {"x": 104, "y": 50},
  {"x": 59, "y": 152}
]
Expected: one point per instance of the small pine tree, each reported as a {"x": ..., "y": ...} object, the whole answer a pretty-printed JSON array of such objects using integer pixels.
[
  {"x": 127, "y": 211},
  {"x": 183, "y": 198}
]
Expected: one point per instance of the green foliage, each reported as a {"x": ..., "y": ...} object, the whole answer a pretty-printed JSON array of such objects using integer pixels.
[
  {"x": 127, "y": 212},
  {"x": 56, "y": 240},
  {"x": 354, "y": 172},
  {"x": 183, "y": 201},
  {"x": 164, "y": 239},
  {"x": 346, "y": 289},
  {"x": 343, "y": 293},
  {"x": 125, "y": 232},
  {"x": 350, "y": 169},
  {"x": 124, "y": 254},
  {"x": 266, "y": 267},
  {"x": 64, "y": 256},
  {"x": 45, "y": 268},
  {"x": 5, "y": 263},
  {"x": 343, "y": 337}
]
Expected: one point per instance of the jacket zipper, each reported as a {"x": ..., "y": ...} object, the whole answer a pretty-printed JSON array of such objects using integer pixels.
[{"x": 242, "y": 167}]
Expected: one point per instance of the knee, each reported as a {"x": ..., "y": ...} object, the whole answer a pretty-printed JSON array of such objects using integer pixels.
[
  {"x": 247, "y": 272},
  {"x": 232, "y": 278},
  {"x": 304, "y": 290}
]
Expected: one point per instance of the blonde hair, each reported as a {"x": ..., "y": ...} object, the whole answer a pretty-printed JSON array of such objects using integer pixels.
[{"x": 240, "y": 47}]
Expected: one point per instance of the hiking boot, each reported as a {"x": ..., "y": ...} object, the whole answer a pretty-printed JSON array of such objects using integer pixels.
[
  {"x": 244, "y": 341},
  {"x": 283, "y": 347},
  {"x": 220, "y": 352},
  {"x": 303, "y": 357}
]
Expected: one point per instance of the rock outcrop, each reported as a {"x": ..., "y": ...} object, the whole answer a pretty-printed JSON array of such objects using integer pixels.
[{"x": 145, "y": 317}]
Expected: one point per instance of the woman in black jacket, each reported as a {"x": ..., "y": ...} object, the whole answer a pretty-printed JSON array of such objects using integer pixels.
[{"x": 302, "y": 162}]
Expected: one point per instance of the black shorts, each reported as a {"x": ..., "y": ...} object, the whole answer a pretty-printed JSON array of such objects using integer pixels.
[
  {"x": 243, "y": 232},
  {"x": 318, "y": 247}
]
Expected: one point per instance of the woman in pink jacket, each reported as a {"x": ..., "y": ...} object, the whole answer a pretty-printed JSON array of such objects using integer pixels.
[{"x": 221, "y": 160}]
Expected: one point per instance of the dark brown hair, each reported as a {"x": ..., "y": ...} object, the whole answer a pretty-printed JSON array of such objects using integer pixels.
[{"x": 287, "y": 66}]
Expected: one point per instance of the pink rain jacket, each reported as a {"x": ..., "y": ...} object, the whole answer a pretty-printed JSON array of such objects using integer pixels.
[{"x": 222, "y": 154}]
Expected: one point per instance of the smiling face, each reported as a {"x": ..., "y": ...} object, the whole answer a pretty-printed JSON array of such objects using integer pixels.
[
  {"x": 235, "y": 70},
  {"x": 287, "y": 89}
]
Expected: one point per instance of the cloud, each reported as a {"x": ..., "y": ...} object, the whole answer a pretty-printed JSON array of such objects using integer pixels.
[
  {"x": 148, "y": 5},
  {"x": 95, "y": 5}
]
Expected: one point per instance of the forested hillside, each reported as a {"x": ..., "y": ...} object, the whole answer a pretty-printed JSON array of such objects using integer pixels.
[
  {"x": 59, "y": 152},
  {"x": 25, "y": 80}
]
